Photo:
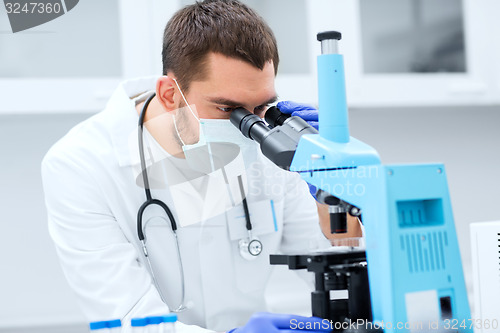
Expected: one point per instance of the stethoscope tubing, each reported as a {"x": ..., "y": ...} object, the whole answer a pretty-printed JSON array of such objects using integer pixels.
[{"x": 150, "y": 202}]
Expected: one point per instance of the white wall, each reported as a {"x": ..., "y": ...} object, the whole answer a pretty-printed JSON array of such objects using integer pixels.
[{"x": 33, "y": 291}]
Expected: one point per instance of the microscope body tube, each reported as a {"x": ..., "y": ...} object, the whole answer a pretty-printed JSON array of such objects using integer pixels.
[{"x": 333, "y": 120}]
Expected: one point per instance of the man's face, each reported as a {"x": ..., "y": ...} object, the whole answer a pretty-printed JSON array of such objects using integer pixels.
[{"x": 232, "y": 83}]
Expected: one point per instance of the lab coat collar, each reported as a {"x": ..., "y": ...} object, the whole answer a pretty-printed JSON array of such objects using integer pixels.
[{"x": 123, "y": 119}]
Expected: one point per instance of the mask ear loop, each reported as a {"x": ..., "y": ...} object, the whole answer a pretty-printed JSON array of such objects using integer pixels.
[
  {"x": 185, "y": 100},
  {"x": 178, "y": 134},
  {"x": 188, "y": 106}
]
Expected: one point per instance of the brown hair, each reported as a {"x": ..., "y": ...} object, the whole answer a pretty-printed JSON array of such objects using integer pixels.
[{"x": 227, "y": 27}]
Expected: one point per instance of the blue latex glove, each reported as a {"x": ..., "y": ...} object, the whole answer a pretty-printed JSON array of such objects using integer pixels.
[
  {"x": 304, "y": 111},
  {"x": 265, "y": 322},
  {"x": 313, "y": 190}
]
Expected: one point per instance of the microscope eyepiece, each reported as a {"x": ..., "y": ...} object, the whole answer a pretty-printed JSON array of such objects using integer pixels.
[
  {"x": 321, "y": 36},
  {"x": 274, "y": 117},
  {"x": 249, "y": 124},
  {"x": 237, "y": 115},
  {"x": 278, "y": 142}
]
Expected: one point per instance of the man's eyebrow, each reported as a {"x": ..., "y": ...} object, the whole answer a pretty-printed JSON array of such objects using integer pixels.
[
  {"x": 271, "y": 100},
  {"x": 231, "y": 103}
]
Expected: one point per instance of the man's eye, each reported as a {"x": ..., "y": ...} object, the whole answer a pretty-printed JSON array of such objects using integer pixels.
[
  {"x": 226, "y": 109},
  {"x": 261, "y": 108},
  {"x": 257, "y": 110}
]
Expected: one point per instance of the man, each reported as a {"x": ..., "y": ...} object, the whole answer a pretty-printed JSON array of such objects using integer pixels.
[{"x": 217, "y": 56}]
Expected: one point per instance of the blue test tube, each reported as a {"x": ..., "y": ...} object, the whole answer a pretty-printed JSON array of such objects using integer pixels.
[
  {"x": 106, "y": 326},
  {"x": 139, "y": 325},
  {"x": 168, "y": 323},
  {"x": 154, "y": 324}
]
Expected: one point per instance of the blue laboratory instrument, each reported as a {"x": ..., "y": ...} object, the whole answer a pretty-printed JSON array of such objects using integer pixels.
[{"x": 412, "y": 256}]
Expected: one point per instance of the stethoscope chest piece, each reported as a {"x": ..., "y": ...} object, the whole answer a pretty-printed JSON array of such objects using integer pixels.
[{"x": 250, "y": 248}]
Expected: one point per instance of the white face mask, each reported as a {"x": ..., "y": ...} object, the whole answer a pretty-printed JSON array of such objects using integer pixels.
[
  {"x": 219, "y": 143},
  {"x": 221, "y": 130}
]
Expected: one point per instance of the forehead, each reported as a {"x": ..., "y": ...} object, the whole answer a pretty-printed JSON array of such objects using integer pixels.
[{"x": 235, "y": 78}]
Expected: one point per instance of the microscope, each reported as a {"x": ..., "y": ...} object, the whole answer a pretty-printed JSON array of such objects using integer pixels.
[{"x": 409, "y": 277}]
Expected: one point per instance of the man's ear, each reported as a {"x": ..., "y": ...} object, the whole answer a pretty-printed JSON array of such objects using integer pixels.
[{"x": 165, "y": 93}]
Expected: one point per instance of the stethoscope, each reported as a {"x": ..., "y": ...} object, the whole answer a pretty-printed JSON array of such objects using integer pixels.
[{"x": 250, "y": 247}]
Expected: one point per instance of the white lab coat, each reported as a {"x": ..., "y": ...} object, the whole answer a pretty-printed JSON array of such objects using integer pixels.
[{"x": 92, "y": 199}]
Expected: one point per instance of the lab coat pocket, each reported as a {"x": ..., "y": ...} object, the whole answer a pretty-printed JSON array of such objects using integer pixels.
[{"x": 266, "y": 219}]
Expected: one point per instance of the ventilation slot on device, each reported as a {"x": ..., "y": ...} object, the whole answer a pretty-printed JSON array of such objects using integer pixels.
[
  {"x": 415, "y": 213},
  {"x": 425, "y": 252}
]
